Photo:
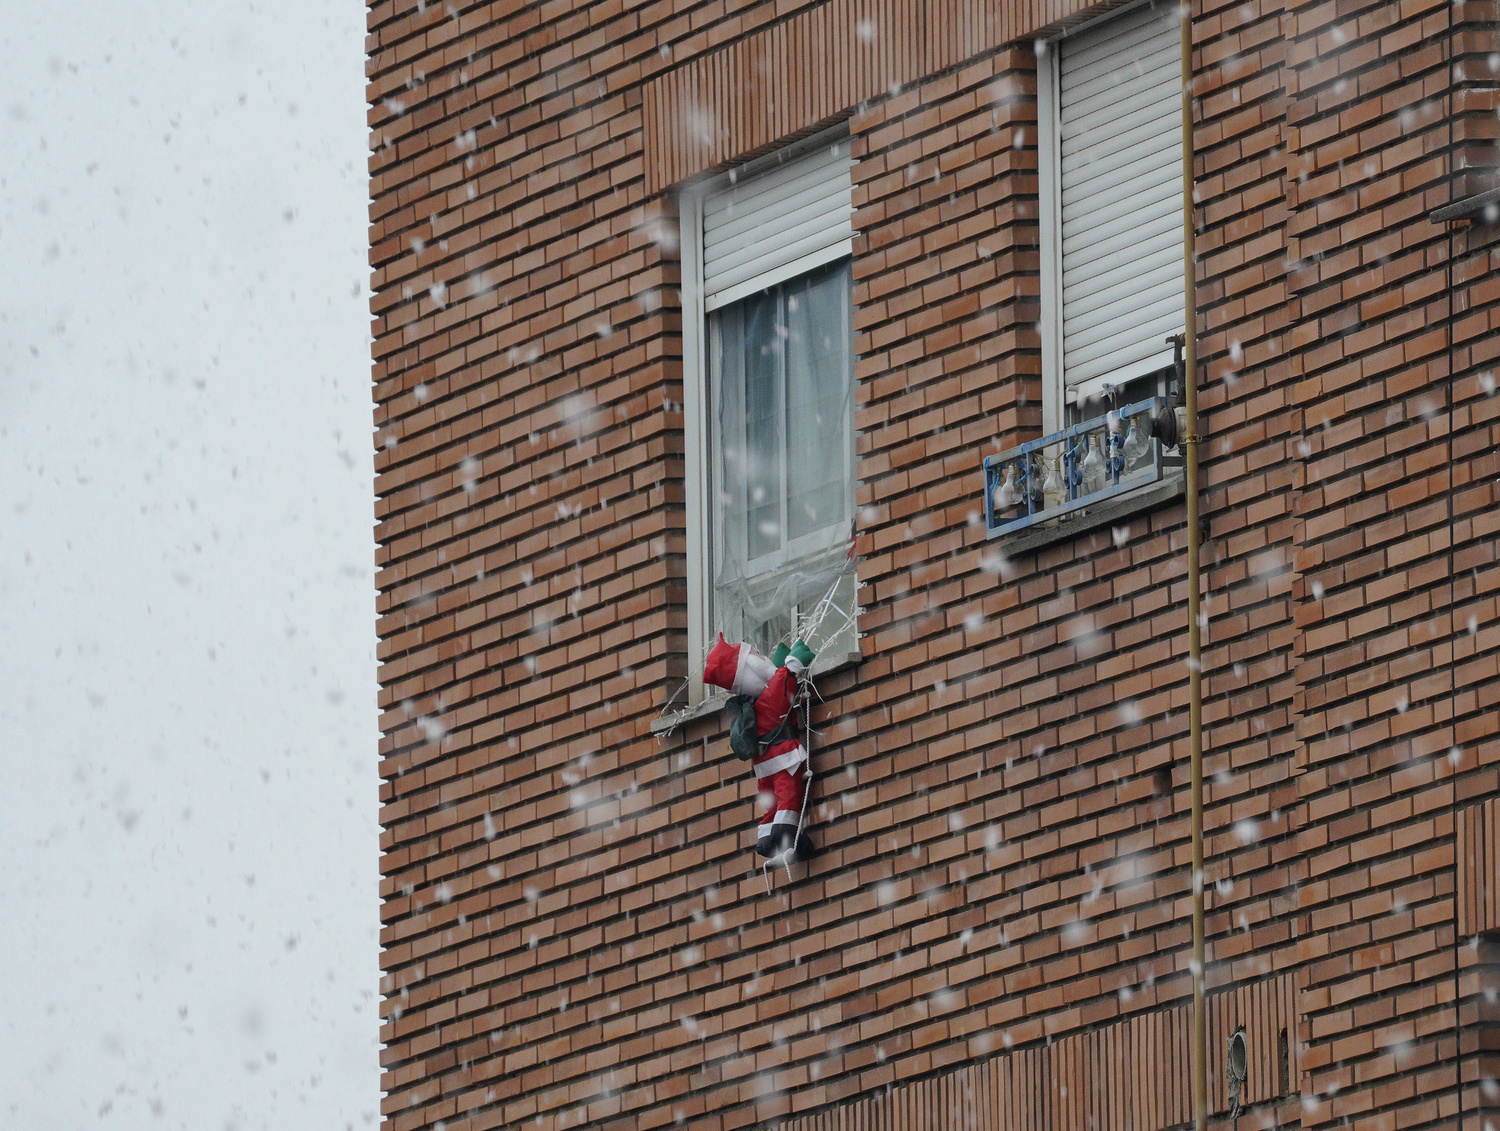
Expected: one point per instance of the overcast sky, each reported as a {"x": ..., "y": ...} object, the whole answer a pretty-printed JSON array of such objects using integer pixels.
[{"x": 188, "y": 854}]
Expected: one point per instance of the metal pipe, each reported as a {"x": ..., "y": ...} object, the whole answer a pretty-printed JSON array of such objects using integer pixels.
[
  {"x": 1453, "y": 212},
  {"x": 1195, "y": 635}
]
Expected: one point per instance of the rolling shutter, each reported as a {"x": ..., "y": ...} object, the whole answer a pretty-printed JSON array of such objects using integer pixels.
[
  {"x": 1120, "y": 156},
  {"x": 775, "y": 225}
]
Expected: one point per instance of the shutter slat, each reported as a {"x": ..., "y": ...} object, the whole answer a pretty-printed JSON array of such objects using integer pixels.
[
  {"x": 1148, "y": 183},
  {"x": 1153, "y": 247},
  {"x": 1145, "y": 335},
  {"x": 777, "y": 179},
  {"x": 1106, "y": 42},
  {"x": 1125, "y": 361},
  {"x": 762, "y": 233},
  {"x": 1137, "y": 125},
  {"x": 1107, "y": 332},
  {"x": 1115, "y": 309},
  {"x": 1130, "y": 54},
  {"x": 750, "y": 281},
  {"x": 1092, "y": 93},
  {"x": 773, "y": 225},
  {"x": 1102, "y": 189},
  {"x": 1120, "y": 152},
  {"x": 740, "y": 206},
  {"x": 1158, "y": 223},
  {"x": 1119, "y": 295},
  {"x": 1142, "y": 264}
]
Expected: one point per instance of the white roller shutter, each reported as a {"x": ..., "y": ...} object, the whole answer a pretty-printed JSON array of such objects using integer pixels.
[
  {"x": 774, "y": 225},
  {"x": 1120, "y": 163}
]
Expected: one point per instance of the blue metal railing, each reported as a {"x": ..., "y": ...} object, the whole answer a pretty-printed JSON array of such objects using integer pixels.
[{"x": 1024, "y": 504}]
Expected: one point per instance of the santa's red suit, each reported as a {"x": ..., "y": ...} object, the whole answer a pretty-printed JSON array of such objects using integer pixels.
[
  {"x": 781, "y": 772},
  {"x": 781, "y": 769}
]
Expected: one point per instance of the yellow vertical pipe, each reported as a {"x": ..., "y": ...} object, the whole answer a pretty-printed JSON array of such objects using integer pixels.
[{"x": 1195, "y": 632}]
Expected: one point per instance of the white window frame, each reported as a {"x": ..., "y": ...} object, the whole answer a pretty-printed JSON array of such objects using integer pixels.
[
  {"x": 1049, "y": 216},
  {"x": 698, "y": 430}
]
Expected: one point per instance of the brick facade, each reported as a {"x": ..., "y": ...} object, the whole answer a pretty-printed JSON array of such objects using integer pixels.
[{"x": 576, "y": 931}]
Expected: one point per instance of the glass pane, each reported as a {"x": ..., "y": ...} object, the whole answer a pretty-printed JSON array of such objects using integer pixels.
[
  {"x": 817, "y": 379},
  {"x": 783, "y": 393},
  {"x": 727, "y": 335},
  {"x": 836, "y": 632},
  {"x": 1080, "y": 408},
  {"x": 763, "y": 429},
  {"x": 765, "y": 636}
]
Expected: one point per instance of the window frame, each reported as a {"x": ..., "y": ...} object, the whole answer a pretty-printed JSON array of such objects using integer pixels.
[
  {"x": 1049, "y": 217},
  {"x": 792, "y": 549},
  {"x": 698, "y": 395}
]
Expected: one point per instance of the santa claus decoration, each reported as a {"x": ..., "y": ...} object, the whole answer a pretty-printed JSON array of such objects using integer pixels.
[{"x": 765, "y": 729}]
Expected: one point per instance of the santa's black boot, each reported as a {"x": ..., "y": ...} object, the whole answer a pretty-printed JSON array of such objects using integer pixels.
[
  {"x": 777, "y": 843},
  {"x": 806, "y": 849}
]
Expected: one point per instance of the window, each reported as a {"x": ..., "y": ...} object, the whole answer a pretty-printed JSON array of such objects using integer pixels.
[
  {"x": 1110, "y": 132},
  {"x": 768, "y": 383}
]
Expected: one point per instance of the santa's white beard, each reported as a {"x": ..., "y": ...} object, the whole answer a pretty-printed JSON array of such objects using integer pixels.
[{"x": 752, "y": 673}]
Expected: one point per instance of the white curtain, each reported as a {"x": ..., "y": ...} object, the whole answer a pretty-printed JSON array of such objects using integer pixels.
[{"x": 782, "y": 474}]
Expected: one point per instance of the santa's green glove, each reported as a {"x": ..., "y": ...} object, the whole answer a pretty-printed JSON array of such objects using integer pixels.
[
  {"x": 778, "y": 657},
  {"x": 800, "y": 658}
]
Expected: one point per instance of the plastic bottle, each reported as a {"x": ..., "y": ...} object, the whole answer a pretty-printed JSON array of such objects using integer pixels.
[
  {"x": 1008, "y": 494},
  {"x": 1093, "y": 468},
  {"x": 1136, "y": 446},
  {"x": 1054, "y": 490}
]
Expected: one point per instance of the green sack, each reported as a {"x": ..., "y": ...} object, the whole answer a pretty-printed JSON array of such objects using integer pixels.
[{"x": 744, "y": 740}]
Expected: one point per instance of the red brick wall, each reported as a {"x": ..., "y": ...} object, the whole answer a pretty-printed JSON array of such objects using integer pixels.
[
  {"x": 1377, "y": 593},
  {"x": 576, "y": 931}
]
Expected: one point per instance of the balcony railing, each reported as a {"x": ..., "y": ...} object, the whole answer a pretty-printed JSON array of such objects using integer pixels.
[{"x": 1069, "y": 471}]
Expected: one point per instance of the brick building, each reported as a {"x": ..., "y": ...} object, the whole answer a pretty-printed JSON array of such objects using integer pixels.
[{"x": 673, "y": 299}]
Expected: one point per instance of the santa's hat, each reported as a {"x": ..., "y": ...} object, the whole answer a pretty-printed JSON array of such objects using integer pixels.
[{"x": 738, "y": 668}]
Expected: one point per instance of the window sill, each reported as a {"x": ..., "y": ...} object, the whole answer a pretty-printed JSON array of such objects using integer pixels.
[
  {"x": 1105, "y": 514},
  {"x": 823, "y": 665},
  {"x": 1479, "y": 208}
]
